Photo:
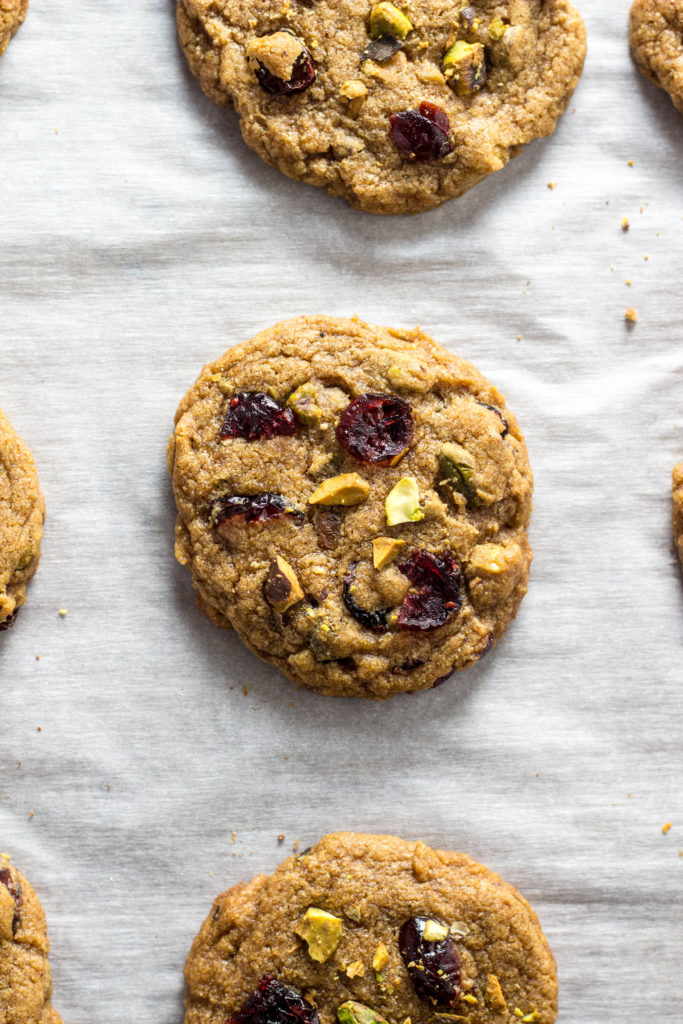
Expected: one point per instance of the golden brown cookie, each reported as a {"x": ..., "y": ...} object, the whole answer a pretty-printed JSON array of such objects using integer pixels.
[
  {"x": 353, "y": 500},
  {"x": 25, "y": 981},
  {"x": 677, "y": 518},
  {"x": 657, "y": 44},
  {"x": 395, "y": 107},
  {"x": 22, "y": 511},
  {"x": 365, "y": 929},
  {"x": 12, "y": 14}
]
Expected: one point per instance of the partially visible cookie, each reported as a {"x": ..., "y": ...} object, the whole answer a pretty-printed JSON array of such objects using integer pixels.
[
  {"x": 354, "y": 501},
  {"x": 22, "y": 511},
  {"x": 365, "y": 929},
  {"x": 395, "y": 107},
  {"x": 678, "y": 508},
  {"x": 657, "y": 44},
  {"x": 25, "y": 980},
  {"x": 12, "y": 14}
]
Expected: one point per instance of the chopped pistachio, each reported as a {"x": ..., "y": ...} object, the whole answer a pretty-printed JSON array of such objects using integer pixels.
[
  {"x": 387, "y": 20},
  {"x": 321, "y": 932},
  {"x": 357, "y": 1013},
  {"x": 282, "y": 589},
  {"x": 356, "y": 969},
  {"x": 459, "y": 929},
  {"x": 356, "y": 93},
  {"x": 347, "y": 489},
  {"x": 403, "y": 503},
  {"x": 497, "y": 29},
  {"x": 493, "y": 994},
  {"x": 464, "y": 66},
  {"x": 434, "y": 931},
  {"x": 303, "y": 403},
  {"x": 468, "y": 998},
  {"x": 278, "y": 52},
  {"x": 457, "y": 466},
  {"x": 385, "y": 550},
  {"x": 25, "y": 559},
  {"x": 353, "y": 914},
  {"x": 381, "y": 958}
]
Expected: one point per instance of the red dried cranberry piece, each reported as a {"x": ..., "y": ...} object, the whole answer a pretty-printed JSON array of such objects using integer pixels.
[
  {"x": 275, "y": 1003},
  {"x": 376, "y": 428},
  {"x": 252, "y": 508},
  {"x": 15, "y": 891},
  {"x": 439, "y": 597},
  {"x": 407, "y": 667},
  {"x": 434, "y": 967},
  {"x": 254, "y": 416},
  {"x": 422, "y": 134},
  {"x": 377, "y": 620},
  {"x": 303, "y": 75}
]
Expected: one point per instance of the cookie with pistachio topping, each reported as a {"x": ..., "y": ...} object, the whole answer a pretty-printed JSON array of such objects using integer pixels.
[
  {"x": 656, "y": 35},
  {"x": 677, "y": 519},
  {"x": 366, "y": 929},
  {"x": 22, "y": 511},
  {"x": 354, "y": 501},
  {"x": 12, "y": 14},
  {"x": 25, "y": 981},
  {"x": 395, "y": 107}
]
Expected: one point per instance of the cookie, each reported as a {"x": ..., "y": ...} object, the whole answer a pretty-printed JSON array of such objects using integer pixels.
[
  {"x": 12, "y": 14},
  {"x": 395, "y": 107},
  {"x": 678, "y": 508},
  {"x": 365, "y": 929},
  {"x": 657, "y": 44},
  {"x": 22, "y": 511},
  {"x": 25, "y": 981},
  {"x": 353, "y": 500}
]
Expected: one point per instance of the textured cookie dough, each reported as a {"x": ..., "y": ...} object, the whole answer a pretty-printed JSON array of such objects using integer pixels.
[
  {"x": 373, "y": 885},
  {"x": 22, "y": 511},
  {"x": 337, "y": 134},
  {"x": 657, "y": 44},
  {"x": 12, "y": 14},
  {"x": 25, "y": 982},
  {"x": 337, "y": 529},
  {"x": 678, "y": 508}
]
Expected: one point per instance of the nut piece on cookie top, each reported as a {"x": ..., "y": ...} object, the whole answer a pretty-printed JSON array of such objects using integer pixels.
[
  {"x": 354, "y": 501},
  {"x": 399, "y": 931},
  {"x": 396, "y": 107}
]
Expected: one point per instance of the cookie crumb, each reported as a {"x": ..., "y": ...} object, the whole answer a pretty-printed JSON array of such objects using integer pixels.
[
  {"x": 296, "y": 846},
  {"x": 552, "y": 185},
  {"x": 631, "y": 315},
  {"x": 625, "y": 224},
  {"x": 63, "y": 612},
  {"x": 356, "y": 969},
  {"x": 666, "y": 828},
  {"x": 281, "y": 838}
]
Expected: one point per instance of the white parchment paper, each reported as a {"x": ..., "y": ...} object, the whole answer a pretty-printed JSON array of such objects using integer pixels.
[{"x": 139, "y": 238}]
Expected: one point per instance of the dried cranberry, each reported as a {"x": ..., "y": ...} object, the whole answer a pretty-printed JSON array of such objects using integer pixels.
[
  {"x": 253, "y": 416},
  {"x": 438, "y": 598},
  {"x": 9, "y": 621},
  {"x": 377, "y": 620},
  {"x": 275, "y": 1003},
  {"x": 489, "y": 644},
  {"x": 303, "y": 75},
  {"x": 376, "y": 428},
  {"x": 381, "y": 50},
  {"x": 252, "y": 508},
  {"x": 434, "y": 967},
  {"x": 442, "y": 679},
  {"x": 422, "y": 134},
  {"x": 506, "y": 427},
  {"x": 408, "y": 666},
  {"x": 15, "y": 891}
]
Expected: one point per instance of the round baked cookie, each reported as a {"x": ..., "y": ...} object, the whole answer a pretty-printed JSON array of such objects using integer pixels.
[
  {"x": 678, "y": 508},
  {"x": 365, "y": 929},
  {"x": 12, "y": 14},
  {"x": 657, "y": 44},
  {"x": 353, "y": 500},
  {"x": 395, "y": 107},
  {"x": 22, "y": 511},
  {"x": 25, "y": 981}
]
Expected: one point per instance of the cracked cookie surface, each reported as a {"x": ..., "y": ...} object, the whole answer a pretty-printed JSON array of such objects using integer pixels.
[
  {"x": 500, "y": 968},
  {"x": 678, "y": 508},
  {"x": 25, "y": 981},
  {"x": 22, "y": 511},
  {"x": 657, "y": 44},
  {"x": 12, "y": 14},
  {"x": 354, "y": 501},
  {"x": 501, "y": 75}
]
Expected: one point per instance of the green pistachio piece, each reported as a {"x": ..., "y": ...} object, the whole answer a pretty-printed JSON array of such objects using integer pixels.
[
  {"x": 403, "y": 503},
  {"x": 357, "y": 1013},
  {"x": 387, "y": 20},
  {"x": 303, "y": 403},
  {"x": 434, "y": 931},
  {"x": 497, "y": 29},
  {"x": 457, "y": 466},
  {"x": 464, "y": 66},
  {"x": 321, "y": 932},
  {"x": 347, "y": 489},
  {"x": 25, "y": 559}
]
